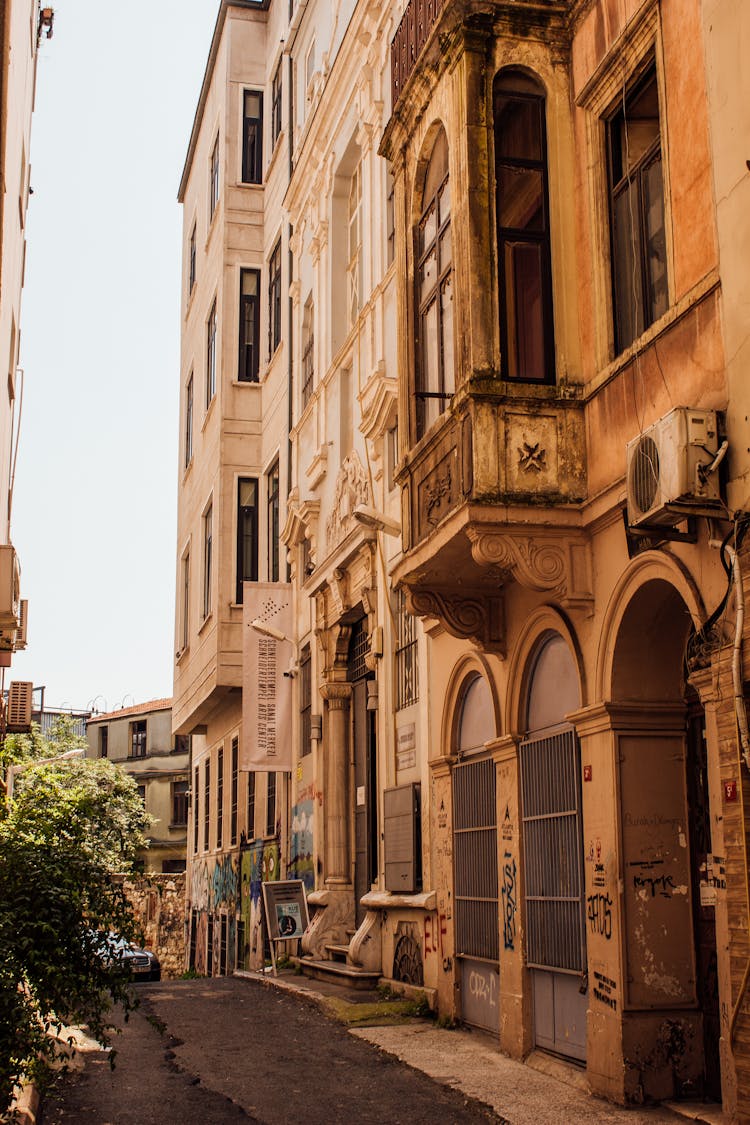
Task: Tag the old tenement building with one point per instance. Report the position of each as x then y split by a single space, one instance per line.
465 327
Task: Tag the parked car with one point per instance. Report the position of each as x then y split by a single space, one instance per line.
143 964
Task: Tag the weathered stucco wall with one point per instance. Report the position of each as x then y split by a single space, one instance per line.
159 904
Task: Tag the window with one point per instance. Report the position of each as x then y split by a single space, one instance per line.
523 229
142 793
638 240
435 378
191 261
185 633
390 219
179 802
249 352
276 106
247 533
251 805
274 299
407 668
220 797
391 458
206 802
308 352
271 805
354 269
196 784
103 742
234 791
305 700
189 421
272 492
138 739
213 187
207 559
181 744
252 138
211 355
310 64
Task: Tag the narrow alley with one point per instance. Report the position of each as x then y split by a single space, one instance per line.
225 1050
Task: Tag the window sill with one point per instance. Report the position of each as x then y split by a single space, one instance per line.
277 147
246 382
186 470
212 222
249 184
206 622
180 656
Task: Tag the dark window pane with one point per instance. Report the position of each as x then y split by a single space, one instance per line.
249 351
523 311
252 140
656 242
525 263
628 286
247 534
518 128
521 198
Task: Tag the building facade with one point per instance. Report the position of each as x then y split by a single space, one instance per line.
233 471
23 23
140 739
513 293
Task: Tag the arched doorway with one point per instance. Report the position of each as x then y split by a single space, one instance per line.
669 939
552 833
475 876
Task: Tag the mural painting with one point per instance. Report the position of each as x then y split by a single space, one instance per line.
259 863
302 863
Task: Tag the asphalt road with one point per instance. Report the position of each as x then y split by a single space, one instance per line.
227 1050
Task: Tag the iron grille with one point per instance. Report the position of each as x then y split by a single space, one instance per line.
406 656
475 860
359 646
551 794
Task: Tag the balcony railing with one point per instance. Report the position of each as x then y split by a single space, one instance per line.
417 23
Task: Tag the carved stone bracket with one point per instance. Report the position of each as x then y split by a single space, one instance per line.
475 616
559 564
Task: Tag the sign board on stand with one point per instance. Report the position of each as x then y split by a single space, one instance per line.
286 912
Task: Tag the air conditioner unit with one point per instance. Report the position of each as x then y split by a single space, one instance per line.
666 478
20 698
10 586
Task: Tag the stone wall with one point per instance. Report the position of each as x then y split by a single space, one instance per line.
159 904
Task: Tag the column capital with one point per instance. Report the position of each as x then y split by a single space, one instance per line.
336 694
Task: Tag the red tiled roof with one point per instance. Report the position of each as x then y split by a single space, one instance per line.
138 709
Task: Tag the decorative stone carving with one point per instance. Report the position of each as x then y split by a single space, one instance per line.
334 916
351 489
365 946
477 616
559 563
532 459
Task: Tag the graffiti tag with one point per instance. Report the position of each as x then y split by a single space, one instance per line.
599 914
509 901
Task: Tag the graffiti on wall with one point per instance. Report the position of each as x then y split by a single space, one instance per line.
214 883
509 901
259 863
301 863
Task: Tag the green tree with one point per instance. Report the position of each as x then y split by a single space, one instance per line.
70 827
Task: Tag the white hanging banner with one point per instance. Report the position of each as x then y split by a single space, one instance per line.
266 692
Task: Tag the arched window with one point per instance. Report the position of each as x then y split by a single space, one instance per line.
435 381
523 229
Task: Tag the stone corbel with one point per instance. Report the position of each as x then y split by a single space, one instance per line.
340 591
559 564
475 616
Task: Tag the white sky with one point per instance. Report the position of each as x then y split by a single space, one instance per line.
94 512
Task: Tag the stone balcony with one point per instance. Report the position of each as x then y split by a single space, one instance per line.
492 494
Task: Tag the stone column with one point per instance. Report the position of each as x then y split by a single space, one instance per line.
336 803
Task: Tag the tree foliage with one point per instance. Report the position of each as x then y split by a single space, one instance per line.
69 829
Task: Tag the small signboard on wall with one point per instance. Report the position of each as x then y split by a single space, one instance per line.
286 912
